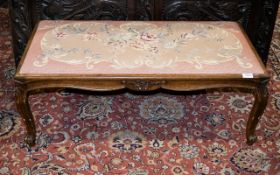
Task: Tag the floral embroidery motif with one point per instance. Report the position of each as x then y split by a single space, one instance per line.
127 141
162 110
91 43
95 108
251 160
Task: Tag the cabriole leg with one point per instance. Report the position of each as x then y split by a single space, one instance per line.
261 97
24 110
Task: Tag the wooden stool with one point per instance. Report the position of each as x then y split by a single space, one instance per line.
142 56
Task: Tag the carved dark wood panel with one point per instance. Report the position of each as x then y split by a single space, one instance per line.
144 10
82 9
264 27
214 10
2 2
257 16
21 26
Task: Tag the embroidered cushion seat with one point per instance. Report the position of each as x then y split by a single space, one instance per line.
125 48
142 56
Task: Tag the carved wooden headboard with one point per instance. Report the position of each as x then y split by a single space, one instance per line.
256 16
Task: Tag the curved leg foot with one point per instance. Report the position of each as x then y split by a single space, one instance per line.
30 139
251 139
261 96
25 112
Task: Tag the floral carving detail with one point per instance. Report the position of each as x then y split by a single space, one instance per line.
143 85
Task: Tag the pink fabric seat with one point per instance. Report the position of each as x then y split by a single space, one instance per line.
139 48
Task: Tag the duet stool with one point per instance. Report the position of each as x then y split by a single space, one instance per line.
141 56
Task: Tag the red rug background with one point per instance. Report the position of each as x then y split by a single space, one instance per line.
82 133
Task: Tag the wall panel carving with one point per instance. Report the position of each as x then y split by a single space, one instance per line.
214 10
81 9
144 10
21 26
264 27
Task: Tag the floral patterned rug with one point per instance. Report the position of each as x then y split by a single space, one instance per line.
135 134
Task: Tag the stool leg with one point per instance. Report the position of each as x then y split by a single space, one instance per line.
24 110
261 97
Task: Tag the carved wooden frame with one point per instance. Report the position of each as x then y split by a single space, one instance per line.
28 85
